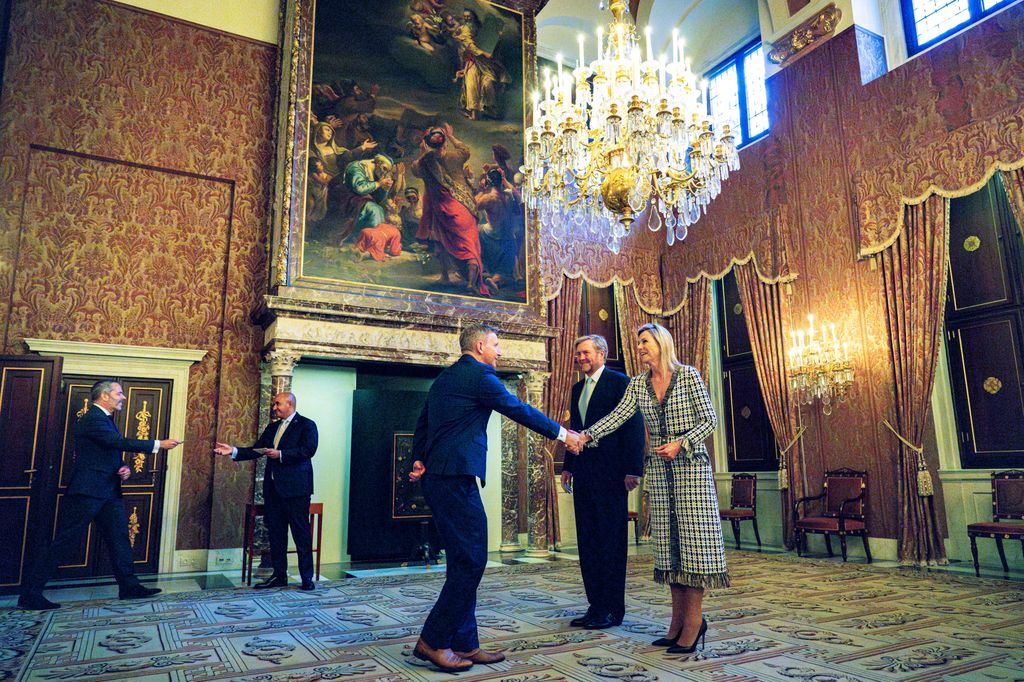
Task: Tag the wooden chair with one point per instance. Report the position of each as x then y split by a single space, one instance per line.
845 492
635 518
1007 503
742 506
316 524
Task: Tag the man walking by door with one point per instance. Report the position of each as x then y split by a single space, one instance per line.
450 446
94 494
289 443
600 481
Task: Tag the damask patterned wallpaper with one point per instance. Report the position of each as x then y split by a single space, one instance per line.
826 129
136 181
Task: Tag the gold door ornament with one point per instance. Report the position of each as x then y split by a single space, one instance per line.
603 314
142 433
992 385
972 243
133 525
143 416
85 408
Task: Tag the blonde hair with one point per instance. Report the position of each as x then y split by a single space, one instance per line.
669 361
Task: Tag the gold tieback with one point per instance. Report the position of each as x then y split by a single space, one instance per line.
925 484
783 470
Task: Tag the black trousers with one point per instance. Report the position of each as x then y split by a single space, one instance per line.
280 514
78 512
601 534
462 524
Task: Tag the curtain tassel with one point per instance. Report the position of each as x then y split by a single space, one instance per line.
925 484
783 469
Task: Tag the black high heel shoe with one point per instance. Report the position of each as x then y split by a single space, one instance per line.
668 641
679 649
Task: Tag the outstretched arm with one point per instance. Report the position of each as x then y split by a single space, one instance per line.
495 396
622 413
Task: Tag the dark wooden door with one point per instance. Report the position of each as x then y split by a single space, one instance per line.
985 328
145 416
988 389
383 422
29 386
749 436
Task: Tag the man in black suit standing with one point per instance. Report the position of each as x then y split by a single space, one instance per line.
600 482
94 494
450 446
288 442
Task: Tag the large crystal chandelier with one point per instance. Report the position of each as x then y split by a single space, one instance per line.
819 367
621 134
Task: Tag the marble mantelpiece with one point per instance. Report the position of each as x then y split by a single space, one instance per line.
324 326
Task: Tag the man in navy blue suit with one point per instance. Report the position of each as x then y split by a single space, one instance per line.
289 443
602 480
450 444
94 494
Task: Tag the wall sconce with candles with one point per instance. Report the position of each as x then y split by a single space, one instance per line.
819 366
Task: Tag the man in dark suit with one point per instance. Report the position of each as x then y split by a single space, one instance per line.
450 445
600 482
94 494
288 443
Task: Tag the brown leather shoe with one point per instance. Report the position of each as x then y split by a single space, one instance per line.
480 656
445 659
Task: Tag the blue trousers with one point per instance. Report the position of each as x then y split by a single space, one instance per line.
79 512
462 525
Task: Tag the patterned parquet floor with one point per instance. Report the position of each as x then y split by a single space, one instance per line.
784 619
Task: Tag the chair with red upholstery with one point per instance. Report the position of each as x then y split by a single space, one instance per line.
1007 503
845 493
742 506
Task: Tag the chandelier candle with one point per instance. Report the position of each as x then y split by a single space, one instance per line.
819 367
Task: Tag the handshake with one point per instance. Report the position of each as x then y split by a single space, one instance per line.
575 441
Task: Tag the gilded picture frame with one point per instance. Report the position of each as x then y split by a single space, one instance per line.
475 61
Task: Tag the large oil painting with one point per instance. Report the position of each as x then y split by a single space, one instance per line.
415 140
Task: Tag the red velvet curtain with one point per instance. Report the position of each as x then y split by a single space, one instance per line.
631 317
690 326
766 308
563 312
914 274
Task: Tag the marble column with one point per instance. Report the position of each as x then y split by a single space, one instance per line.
282 367
261 542
536 475
510 476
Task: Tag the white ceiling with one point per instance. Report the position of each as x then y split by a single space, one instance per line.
712 29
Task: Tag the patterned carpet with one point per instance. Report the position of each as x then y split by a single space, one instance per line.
786 619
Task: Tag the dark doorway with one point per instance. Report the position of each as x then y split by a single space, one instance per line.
381 527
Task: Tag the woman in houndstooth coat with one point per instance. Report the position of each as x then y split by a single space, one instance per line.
689 551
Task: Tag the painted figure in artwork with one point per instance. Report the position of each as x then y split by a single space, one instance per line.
483 77
370 183
501 203
316 190
334 156
448 208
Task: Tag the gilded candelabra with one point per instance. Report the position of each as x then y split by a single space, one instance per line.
819 367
